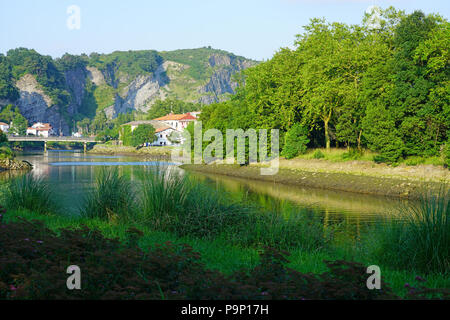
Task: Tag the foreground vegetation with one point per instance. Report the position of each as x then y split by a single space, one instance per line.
229 235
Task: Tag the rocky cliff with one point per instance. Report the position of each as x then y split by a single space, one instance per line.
122 82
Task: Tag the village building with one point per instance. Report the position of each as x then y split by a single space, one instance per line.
4 127
40 129
179 122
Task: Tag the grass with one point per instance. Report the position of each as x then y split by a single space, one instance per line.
420 242
112 198
31 193
342 155
173 202
228 233
337 154
219 254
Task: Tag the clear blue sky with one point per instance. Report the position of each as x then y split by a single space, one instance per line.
252 28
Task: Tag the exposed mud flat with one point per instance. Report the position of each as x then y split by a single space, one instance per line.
365 183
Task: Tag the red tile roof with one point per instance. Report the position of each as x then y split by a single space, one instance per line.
179 117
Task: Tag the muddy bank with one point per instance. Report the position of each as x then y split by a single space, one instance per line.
403 187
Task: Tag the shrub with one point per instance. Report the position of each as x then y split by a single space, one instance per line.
414 161
421 241
296 140
6 152
31 193
112 198
352 154
318 154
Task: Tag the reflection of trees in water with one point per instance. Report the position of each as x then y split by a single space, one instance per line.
11 174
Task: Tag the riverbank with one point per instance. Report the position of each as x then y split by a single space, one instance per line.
12 164
156 152
352 176
218 254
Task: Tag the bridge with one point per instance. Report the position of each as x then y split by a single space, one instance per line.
83 140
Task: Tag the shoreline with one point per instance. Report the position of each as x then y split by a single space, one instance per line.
397 187
357 176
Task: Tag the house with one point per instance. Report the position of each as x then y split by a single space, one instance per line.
40 129
4 127
179 122
162 131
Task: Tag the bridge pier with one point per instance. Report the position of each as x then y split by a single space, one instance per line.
45 146
84 147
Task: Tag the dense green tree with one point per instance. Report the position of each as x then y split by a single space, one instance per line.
163 107
142 134
296 141
19 124
7 114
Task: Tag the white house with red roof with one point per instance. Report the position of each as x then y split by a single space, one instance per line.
40 129
4 127
177 121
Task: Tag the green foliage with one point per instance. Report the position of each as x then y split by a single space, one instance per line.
112 198
7 114
131 63
296 140
126 136
196 59
3 137
385 89
31 193
30 270
421 242
163 107
6 152
446 153
47 74
142 134
7 89
318 154
19 124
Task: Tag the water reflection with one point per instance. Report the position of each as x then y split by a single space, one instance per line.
72 174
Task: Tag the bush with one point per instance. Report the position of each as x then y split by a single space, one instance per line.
112 198
33 263
318 154
352 154
296 140
414 161
446 154
6 152
31 193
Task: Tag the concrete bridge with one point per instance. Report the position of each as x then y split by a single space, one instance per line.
84 140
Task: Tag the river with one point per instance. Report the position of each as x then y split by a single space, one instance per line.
72 174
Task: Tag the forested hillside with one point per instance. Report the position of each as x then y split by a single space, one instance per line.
386 88
73 89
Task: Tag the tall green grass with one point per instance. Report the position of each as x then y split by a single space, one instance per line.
174 203
31 193
420 241
112 197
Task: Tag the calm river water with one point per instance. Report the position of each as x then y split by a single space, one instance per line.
72 175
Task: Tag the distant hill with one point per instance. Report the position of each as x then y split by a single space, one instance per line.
77 86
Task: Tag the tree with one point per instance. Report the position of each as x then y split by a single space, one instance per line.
19 124
7 114
142 134
296 140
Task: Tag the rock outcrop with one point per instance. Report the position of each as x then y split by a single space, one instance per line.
36 106
88 86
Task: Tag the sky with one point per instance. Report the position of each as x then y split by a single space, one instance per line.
255 29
